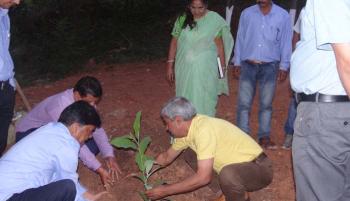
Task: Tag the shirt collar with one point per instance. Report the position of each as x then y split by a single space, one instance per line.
3 12
273 8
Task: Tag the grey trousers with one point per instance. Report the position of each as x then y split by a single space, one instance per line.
321 152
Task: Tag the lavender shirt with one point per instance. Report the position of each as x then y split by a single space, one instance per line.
265 38
49 110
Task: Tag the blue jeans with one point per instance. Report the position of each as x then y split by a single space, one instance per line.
264 76
292 113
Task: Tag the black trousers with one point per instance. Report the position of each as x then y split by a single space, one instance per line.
7 104
63 190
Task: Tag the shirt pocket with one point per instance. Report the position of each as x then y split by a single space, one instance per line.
273 34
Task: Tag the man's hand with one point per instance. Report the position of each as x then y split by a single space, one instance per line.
105 177
282 75
236 72
113 168
157 193
93 197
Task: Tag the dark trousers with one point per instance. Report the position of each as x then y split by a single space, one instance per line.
63 190
236 179
7 103
90 143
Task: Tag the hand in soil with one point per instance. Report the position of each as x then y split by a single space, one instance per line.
156 193
105 176
113 168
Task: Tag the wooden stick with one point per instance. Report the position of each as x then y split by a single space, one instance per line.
23 97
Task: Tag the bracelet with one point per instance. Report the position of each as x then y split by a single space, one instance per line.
170 61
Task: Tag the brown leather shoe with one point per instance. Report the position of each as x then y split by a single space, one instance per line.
266 143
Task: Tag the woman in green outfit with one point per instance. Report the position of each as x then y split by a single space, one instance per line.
199 37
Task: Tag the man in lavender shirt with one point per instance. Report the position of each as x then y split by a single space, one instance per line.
87 89
261 57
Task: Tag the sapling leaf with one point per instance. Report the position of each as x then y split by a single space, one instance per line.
144 144
148 166
141 178
124 142
132 137
145 157
139 158
137 124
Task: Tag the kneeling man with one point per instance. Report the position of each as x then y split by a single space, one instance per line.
239 161
44 168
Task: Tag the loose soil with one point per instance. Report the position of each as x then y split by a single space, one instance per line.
132 87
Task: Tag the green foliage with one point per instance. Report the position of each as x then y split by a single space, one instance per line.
135 142
53 38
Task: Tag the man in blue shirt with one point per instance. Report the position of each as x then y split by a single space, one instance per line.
320 75
261 56
7 81
44 168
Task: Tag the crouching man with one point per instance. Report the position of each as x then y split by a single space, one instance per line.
42 168
87 89
239 161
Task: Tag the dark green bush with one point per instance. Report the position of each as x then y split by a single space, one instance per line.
51 38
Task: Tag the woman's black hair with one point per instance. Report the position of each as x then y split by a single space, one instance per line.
189 20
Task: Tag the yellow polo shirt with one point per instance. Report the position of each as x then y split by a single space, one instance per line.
219 139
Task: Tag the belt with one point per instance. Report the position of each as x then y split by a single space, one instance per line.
322 98
255 62
3 84
259 158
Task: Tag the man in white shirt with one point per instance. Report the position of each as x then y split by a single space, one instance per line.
320 75
39 168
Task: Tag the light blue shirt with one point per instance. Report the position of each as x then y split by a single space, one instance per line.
313 64
6 64
38 160
266 38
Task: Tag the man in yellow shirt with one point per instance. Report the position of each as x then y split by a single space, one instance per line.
239 161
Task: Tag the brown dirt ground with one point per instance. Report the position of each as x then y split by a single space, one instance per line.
132 87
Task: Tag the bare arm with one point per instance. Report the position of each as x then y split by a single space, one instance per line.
342 56
199 179
171 60
295 39
167 157
93 197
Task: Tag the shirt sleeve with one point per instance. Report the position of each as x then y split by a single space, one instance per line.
239 40
205 143
88 158
179 144
102 141
331 19
286 43
178 26
219 33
